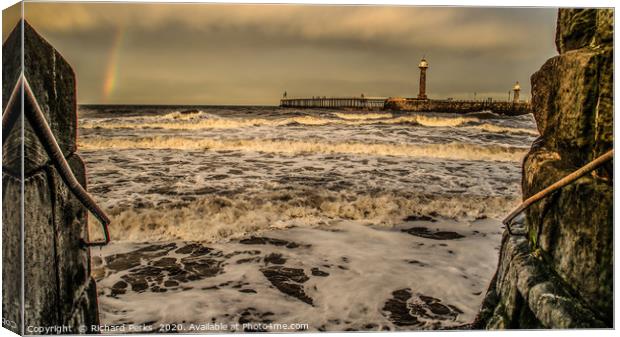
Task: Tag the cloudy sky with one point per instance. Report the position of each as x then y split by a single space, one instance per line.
249 54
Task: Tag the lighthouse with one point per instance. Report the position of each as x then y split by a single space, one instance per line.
423 66
516 89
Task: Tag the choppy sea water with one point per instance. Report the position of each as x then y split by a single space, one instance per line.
341 220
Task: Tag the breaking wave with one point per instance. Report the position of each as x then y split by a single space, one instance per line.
217 218
362 116
200 120
502 129
185 115
443 122
452 151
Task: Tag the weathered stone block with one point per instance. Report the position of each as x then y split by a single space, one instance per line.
567 103
85 310
575 28
528 296
565 267
56 268
573 229
41 299
11 253
53 83
604 113
12 261
543 96
584 27
572 104
12 145
71 216
604 27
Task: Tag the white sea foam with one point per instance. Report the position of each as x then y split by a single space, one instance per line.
343 184
452 151
502 129
442 121
365 266
215 218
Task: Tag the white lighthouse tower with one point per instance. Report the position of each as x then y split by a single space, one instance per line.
516 89
423 66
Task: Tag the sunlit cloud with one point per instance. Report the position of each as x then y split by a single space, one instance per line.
242 54
398 25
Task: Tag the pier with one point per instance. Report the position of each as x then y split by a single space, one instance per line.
510 107
368 103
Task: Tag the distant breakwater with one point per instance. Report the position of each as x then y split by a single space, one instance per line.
508 108
458 106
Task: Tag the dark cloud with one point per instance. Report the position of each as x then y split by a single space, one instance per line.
250 54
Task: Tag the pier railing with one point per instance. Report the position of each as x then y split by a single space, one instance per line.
334 102
503 107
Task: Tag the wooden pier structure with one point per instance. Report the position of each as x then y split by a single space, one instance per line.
369 103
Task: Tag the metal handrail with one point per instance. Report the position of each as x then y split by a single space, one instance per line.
8 118
556 186
41 128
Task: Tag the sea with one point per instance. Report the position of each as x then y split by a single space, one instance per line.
230 218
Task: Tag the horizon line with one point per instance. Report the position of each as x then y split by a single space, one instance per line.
170 104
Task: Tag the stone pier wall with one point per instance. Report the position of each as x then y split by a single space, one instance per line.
457 106
560 275
58 289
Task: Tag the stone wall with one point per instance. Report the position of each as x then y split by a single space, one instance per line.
58 289
560 275
12 261
457 106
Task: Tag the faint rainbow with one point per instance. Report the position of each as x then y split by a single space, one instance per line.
111 74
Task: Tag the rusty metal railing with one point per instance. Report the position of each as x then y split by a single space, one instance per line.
39 124
607 156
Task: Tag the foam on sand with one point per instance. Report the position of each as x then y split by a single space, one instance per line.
332 289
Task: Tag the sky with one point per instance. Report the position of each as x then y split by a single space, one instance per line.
139 53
